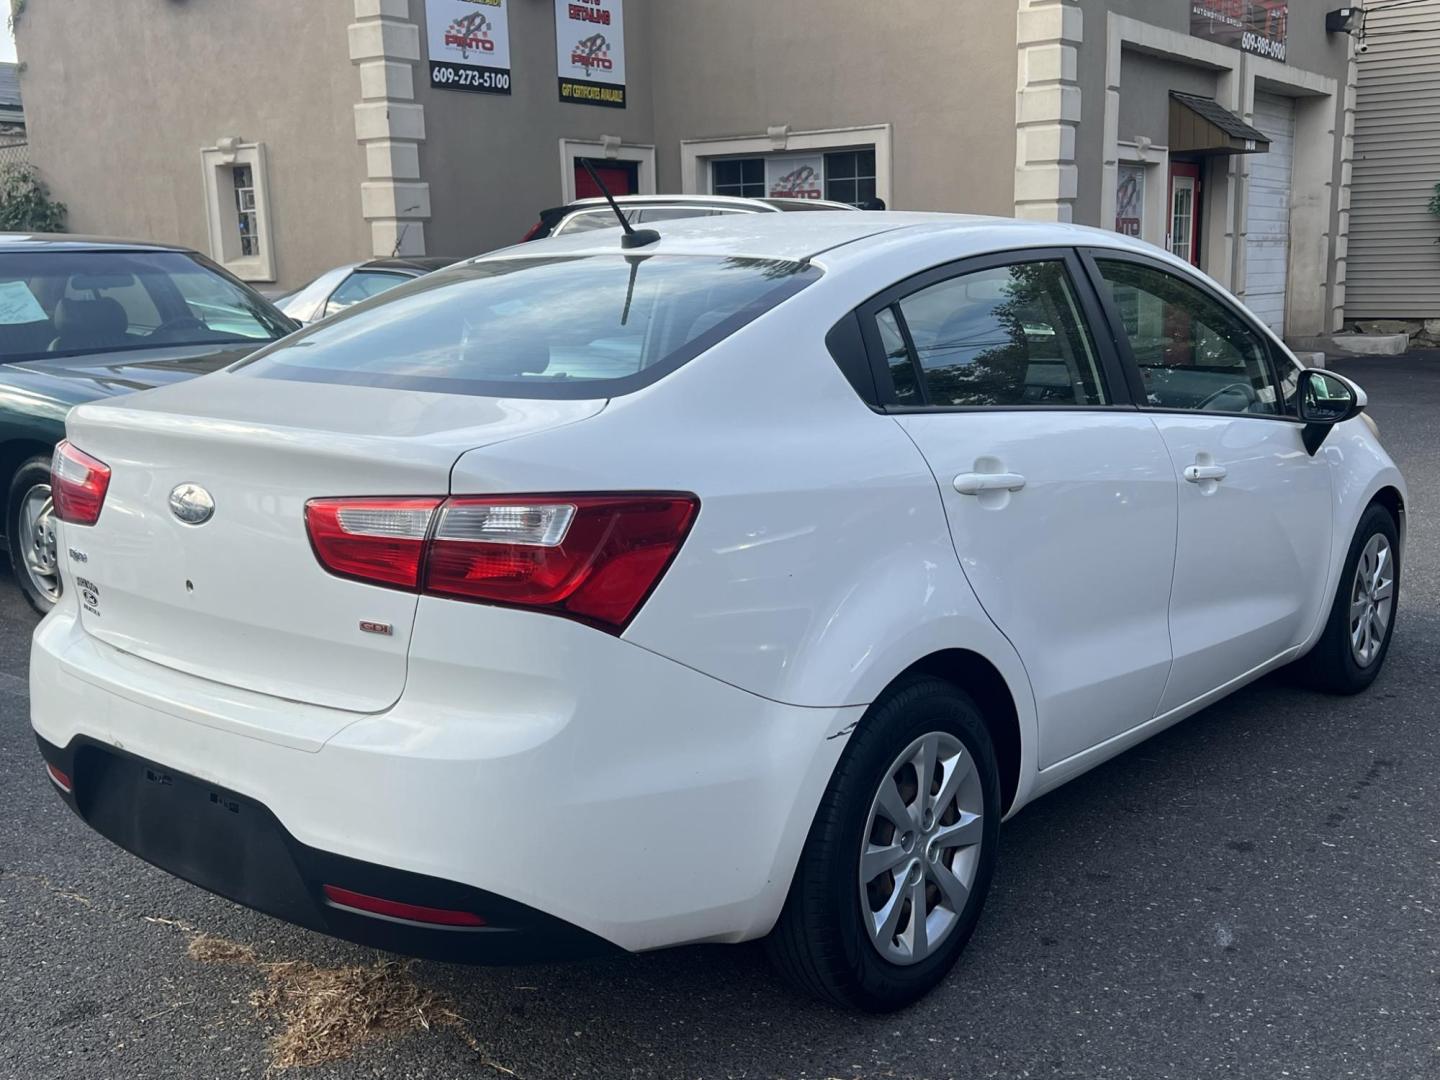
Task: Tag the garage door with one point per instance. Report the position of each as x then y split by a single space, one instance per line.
1267 241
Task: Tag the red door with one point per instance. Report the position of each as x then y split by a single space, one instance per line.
621 177
1182 232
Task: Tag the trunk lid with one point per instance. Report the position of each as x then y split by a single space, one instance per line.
241 599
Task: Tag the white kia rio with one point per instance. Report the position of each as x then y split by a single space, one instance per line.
730 582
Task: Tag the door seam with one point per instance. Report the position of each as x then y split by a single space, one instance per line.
960 564
1174 564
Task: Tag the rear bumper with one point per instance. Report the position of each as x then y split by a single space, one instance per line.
231 845
560 782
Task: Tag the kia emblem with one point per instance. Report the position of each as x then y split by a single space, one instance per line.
192 504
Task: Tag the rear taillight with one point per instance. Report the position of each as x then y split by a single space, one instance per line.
594 558
381 541
78 483
533 232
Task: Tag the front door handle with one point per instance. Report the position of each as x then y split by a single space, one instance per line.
1198 474
971 483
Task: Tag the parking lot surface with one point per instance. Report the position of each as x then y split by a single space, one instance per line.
1254 893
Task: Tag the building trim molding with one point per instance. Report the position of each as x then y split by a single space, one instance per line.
1342 197
1048 35
220 210
390 125
609 147
696 154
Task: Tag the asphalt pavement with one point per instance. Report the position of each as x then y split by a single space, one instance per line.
1254 893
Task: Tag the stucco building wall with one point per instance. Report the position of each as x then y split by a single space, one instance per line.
120 112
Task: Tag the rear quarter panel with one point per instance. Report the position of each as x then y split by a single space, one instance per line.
821 565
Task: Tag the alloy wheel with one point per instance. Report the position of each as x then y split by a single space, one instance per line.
37 542
921 848
1372 600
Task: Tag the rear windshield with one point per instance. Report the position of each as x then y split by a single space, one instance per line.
566 327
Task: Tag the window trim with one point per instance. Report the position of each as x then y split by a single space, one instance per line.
220 217
1117 386
696 154
608 146
1115 329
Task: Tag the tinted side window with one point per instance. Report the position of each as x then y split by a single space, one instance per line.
592 219
671 213
1011 335
897 358
361 285
1193 351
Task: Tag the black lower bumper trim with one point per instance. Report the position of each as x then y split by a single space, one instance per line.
231 845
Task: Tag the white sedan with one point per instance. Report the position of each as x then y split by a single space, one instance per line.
732 583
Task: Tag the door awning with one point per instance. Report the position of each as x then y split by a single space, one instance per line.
1201 125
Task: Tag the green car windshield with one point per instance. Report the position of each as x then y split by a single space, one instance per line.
70 303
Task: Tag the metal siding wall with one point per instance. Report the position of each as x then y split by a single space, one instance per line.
1267 219
1394 262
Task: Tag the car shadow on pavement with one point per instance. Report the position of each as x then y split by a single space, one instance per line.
1150 900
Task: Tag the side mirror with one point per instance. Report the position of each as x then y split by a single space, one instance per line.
1326 399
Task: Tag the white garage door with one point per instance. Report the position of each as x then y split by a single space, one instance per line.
1267 243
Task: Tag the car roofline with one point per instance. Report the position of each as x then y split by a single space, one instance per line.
671 200
69 242
677 237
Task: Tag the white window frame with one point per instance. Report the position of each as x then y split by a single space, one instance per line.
219 163
697 154
606 149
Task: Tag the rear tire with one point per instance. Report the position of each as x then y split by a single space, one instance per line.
832 940
1346 660
30 535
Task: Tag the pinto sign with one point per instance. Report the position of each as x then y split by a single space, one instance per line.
590 51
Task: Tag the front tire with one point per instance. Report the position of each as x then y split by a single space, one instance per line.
1352 649
911 818
30 533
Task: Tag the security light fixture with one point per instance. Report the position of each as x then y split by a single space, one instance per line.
1345 20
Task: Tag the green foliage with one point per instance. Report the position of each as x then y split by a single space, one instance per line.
25 204
17 8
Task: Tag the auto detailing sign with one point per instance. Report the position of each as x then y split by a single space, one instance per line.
794 177
1254 26
590 51
469 43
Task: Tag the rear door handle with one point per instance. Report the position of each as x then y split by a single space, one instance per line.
971 483
1198 474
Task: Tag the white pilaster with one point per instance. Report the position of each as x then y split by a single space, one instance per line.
1047 108
390 124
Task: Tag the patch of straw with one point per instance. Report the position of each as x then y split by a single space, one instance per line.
328 1013
209 949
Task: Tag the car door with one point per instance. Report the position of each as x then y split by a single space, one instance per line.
1059 493
1255 505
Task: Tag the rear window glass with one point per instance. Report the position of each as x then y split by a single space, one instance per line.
565 327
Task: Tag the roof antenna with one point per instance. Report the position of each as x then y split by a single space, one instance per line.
633 237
